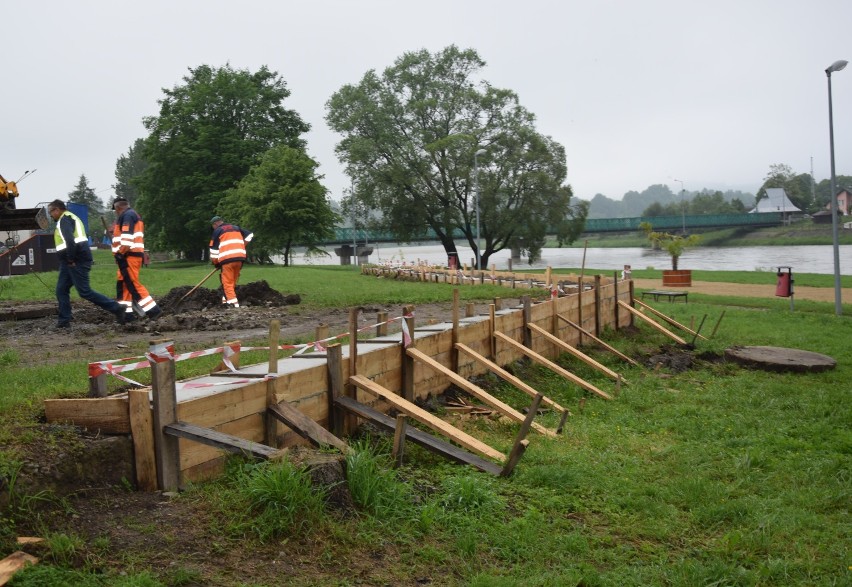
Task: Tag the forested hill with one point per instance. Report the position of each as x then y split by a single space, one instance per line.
635 203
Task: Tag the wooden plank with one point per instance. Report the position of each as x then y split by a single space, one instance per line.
419 437
305 427
611 349
399 440
552 366
477 391
633 311
142 431
109 414
671 321
220 440
424 417
577 353
165 412
506 376
14 563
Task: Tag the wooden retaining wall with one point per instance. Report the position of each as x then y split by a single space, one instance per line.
240 408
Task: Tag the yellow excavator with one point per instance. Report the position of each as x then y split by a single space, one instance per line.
14 218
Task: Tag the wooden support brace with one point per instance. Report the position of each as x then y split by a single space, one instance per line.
419 437
399 440
475 390
611 349
509 378
424 417
650 322
552 366
305 427
521 441
577 353
671 321
98 386
227 442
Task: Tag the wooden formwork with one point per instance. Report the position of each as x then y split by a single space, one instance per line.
238 407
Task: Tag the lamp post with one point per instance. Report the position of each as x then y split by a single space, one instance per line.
838 308
476 187
682 209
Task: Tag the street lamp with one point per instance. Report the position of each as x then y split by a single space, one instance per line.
476 187
838 308
682 209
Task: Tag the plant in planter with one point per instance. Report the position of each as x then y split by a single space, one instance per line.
674 245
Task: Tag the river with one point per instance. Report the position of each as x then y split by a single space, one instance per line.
803 259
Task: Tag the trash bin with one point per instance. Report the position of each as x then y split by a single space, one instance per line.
784 287
453 261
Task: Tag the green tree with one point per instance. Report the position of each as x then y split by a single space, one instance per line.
673 244
210 131
409 138
283 202
127 169
797 187
84 194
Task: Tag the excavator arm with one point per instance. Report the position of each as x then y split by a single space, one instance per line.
13 218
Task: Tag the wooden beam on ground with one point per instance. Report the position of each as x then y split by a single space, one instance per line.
476 391
419 437
577 353
305 427
521 442
611 349
552 366
671 321
424 417
221 440
14 563
650 322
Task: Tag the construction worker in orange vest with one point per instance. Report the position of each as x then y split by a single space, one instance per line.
228 253
128 248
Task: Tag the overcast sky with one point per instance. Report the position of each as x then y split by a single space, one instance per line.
639 92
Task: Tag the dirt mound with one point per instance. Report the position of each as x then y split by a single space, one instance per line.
256 293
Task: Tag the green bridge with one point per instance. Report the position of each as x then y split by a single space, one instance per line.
593 225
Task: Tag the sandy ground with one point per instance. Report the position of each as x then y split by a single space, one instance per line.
816 294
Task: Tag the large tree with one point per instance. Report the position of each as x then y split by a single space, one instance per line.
283 202
210 131
83 193
128 168
409 141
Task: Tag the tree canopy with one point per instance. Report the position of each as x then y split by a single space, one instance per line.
209 132
409 141
83 193
283 202
127 168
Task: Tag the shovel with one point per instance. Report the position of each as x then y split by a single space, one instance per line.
200 283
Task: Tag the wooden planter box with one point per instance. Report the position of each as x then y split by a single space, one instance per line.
679 278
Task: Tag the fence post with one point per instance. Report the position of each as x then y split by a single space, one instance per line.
161 356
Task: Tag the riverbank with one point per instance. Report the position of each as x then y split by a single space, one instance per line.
747 290
803 232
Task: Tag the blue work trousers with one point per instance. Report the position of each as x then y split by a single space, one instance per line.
78 276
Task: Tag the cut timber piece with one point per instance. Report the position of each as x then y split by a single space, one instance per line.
651 323
419 437
611 349
577 353
476 391
14 563
107 414
671 321
508 377
221 440
424 417
552 366
521 442
305 427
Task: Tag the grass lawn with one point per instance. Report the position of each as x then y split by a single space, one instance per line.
712 475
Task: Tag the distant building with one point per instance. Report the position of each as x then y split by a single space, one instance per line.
843 203
776 200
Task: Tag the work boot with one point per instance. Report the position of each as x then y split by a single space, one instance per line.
154 313
119 315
